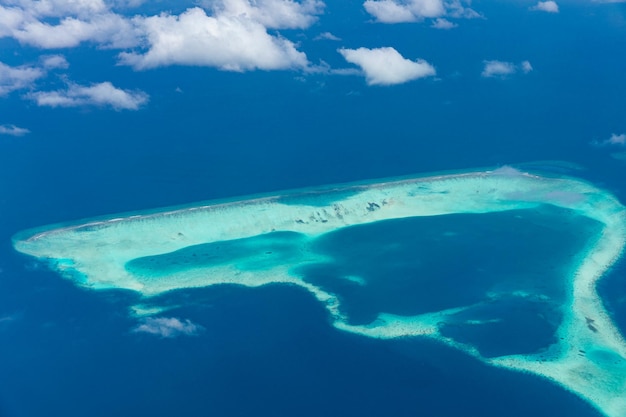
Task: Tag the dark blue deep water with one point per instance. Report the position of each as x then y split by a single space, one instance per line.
427 264
265 351
423 265
271 352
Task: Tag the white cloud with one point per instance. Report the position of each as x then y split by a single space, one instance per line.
613 140
274 14
234 37
228 43
457 10
398 11
108 29
102 95
526 67
502 69
388 11
54 62
10 18
327 36
441 23
385 66
63 23
344 71
125 4
57 8
617 139
497 69
546 6
13 130
17 78
66 24
168 327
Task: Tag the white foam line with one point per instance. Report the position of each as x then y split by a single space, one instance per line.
95 254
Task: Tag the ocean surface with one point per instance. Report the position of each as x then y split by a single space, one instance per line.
272 351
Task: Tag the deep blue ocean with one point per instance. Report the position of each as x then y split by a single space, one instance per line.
271 351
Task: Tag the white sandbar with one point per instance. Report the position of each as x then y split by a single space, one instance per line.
96 255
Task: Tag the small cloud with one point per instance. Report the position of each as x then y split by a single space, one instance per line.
497 69
103 28
17 78
385 66
441 23
168 327
327 36
399 11
57 8
102 94
49 62
388 11
613 140
526 67
546 6
124 4
273 14
502 69
346 71
457 10
9 318
617 139
13 130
